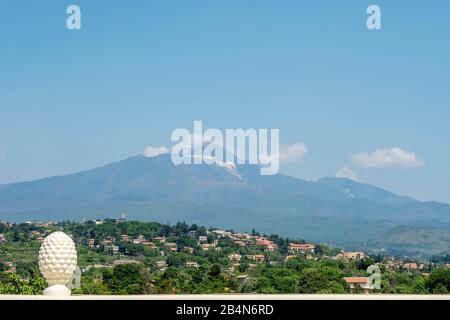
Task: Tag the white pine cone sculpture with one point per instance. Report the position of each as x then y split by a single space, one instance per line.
57 258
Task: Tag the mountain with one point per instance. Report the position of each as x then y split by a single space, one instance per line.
332 210
413 241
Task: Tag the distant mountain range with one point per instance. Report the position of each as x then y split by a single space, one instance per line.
333 210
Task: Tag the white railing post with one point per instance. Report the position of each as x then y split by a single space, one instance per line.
57 262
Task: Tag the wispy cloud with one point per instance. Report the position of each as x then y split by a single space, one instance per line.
347 173
385 158
293 153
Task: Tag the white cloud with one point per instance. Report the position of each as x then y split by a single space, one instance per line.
293 153
384 158
153 152
347 173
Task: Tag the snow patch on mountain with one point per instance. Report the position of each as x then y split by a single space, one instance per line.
230 167
349 193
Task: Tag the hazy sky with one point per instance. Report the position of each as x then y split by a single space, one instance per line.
374 104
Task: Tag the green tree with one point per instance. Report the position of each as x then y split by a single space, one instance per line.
321 280
16 285
214 271
123 279
364 263
439 281
288 284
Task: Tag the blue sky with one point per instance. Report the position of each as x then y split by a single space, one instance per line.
137 70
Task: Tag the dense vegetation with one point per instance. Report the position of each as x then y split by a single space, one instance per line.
145 269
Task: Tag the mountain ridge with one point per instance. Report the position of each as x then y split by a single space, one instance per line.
336 210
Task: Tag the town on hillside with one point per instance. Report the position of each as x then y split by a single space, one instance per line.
116 256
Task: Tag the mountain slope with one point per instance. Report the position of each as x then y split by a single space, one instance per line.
416 241
334 210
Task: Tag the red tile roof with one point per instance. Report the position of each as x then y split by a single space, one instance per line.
356 279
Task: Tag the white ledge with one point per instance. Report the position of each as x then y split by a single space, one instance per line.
234 297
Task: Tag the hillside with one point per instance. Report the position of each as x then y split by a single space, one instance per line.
133 257
415 241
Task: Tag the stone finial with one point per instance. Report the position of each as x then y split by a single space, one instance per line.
57 262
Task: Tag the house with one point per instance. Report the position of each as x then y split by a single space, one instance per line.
230 269
40 239
159 239
91 243
191 264
207 246
2 238
252 266
138 240
122 262
363 282
161 264
392 264
351 255
149 244
267 244
11 270
256 257
235 256
202 238
291 256
410 266
191 233
422 266
95 266
189 250
243 278
43 224
240 243
222 233
447 266
172 246
255 237
233 267
301 248
241 236
271 247
125 237
112 248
